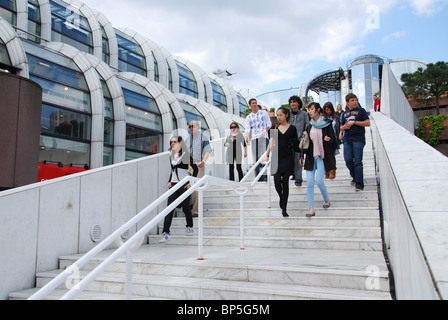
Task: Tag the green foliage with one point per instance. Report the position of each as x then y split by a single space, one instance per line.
427 84
436 125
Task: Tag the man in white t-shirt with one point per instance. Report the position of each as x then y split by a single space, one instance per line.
258 124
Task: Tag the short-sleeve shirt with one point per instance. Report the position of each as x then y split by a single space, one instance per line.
355 133
199 146
257 123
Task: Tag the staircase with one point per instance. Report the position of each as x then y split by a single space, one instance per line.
335 255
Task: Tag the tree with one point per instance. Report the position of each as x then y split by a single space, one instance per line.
307 101
427 84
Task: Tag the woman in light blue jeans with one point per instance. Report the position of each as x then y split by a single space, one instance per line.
319 156
310 175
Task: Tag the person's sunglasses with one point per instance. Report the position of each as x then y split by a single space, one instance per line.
234 127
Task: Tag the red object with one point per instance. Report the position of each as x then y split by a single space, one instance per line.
48 171
377 105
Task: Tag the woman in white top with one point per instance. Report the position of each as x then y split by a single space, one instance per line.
180 161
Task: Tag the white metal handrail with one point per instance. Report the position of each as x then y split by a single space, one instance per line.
241 188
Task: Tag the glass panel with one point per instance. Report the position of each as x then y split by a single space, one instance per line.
130 56
65 151
34 28
106 48
128 44
142 140
140 101
4 56
39 52
108 156
64 96
219 99
108 109
108 132
187 82
192 114
68 24
9 4
188 92
143 119
243 105
57 73
33 12
8 15
170 79
66 123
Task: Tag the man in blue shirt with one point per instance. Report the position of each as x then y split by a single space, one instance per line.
353 134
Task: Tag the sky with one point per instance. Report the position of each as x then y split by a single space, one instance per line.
280 44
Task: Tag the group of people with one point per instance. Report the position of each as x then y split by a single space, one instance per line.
325 127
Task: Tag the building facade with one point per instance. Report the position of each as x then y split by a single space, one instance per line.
109 94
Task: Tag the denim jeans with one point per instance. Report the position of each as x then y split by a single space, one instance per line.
353 155
310 176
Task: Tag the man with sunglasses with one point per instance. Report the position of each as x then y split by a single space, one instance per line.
200 150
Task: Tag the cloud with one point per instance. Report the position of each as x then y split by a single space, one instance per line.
400 34
263 41
427 7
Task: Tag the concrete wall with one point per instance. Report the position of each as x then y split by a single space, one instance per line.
20 109
394 103
413 178
40 222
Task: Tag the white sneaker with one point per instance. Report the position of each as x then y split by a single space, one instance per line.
165 238
190 231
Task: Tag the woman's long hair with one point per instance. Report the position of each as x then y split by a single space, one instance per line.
183 148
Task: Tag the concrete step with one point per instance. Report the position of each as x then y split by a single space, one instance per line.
288 231
168 272
188 288
278 221
293 211
297 193
87 295
292 203
328 243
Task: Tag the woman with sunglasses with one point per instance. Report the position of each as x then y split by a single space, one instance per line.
180 162
235 143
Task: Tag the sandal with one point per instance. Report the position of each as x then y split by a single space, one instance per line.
309 215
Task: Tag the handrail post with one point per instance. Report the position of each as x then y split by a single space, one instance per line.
242 246
269 185
201 224
128 287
